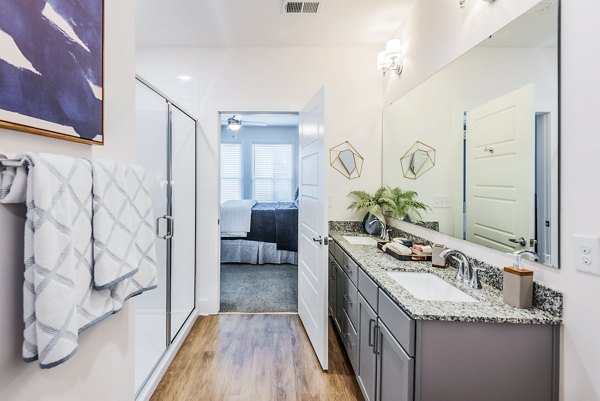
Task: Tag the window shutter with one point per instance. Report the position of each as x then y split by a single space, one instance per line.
231 172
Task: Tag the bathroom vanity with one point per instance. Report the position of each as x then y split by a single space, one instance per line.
405 348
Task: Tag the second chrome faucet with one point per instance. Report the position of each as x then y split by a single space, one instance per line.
467 273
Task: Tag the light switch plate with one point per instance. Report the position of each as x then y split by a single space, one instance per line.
442 201
587 253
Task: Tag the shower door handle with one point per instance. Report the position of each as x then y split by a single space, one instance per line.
170 227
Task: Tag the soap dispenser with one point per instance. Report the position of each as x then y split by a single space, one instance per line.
518 285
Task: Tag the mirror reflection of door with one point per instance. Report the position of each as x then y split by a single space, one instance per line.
500 184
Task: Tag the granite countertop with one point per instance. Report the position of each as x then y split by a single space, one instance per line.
490 308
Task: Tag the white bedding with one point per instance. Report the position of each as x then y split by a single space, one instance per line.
236 217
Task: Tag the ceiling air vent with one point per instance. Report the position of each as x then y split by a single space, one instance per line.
298 7
310 7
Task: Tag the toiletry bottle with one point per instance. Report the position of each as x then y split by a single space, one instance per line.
518 285
436 259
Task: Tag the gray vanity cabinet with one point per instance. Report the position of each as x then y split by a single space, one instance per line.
367 367
397 358
395 369
332 284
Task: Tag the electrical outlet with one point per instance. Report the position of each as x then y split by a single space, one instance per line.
587 253
442 201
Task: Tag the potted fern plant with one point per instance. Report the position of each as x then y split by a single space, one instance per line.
403 203
393 202
376 205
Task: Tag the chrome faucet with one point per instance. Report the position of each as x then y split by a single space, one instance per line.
467 273
525 252
384 232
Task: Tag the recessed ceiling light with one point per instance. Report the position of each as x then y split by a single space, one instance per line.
184 77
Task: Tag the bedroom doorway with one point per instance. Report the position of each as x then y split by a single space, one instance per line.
258 212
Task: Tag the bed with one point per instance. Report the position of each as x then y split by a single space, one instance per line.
259 233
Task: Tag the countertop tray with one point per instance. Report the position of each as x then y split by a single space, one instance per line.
413 257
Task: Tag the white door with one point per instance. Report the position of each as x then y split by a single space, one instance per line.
500 169
313 226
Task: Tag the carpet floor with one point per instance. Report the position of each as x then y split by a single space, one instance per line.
259 288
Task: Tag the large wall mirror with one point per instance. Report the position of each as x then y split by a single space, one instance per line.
492 118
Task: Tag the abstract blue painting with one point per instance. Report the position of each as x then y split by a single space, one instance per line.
51 76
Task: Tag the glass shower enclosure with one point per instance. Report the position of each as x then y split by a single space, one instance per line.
166 148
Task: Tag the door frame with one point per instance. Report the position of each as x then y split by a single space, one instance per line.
216 302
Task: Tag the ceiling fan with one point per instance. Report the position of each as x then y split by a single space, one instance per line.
234 123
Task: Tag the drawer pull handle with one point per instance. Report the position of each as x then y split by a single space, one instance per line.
376 341
371 327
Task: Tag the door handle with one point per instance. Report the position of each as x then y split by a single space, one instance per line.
158 219
376 340
521 241
371 327
322 240
170 227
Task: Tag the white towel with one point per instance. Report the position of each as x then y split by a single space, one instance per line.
236 218
141 273
59 298
115 254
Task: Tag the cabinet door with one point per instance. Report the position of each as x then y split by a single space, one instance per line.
395 368
339 296
332 286
367 359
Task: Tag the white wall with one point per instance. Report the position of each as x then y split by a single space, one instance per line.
102 368
445 36
269 79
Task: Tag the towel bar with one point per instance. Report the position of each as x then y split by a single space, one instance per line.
6 162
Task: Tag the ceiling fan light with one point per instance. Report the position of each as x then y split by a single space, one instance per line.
234 125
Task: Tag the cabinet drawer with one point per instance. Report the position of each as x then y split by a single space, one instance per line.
351 268
338 254
367 288
350 340
398 322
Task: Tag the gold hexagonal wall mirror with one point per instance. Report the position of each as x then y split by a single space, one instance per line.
419 159
346 159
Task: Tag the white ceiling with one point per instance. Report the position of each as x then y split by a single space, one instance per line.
247 23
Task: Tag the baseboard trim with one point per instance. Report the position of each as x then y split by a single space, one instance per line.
161 368
258 313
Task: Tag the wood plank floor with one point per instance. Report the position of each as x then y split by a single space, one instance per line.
255 358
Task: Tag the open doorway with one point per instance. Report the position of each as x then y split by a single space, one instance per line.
259 212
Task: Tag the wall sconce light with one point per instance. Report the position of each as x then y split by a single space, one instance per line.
461 3
390 59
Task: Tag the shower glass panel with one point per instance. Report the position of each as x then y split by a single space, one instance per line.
151 306
183 148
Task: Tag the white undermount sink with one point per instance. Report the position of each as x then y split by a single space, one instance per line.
429 287
356 240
